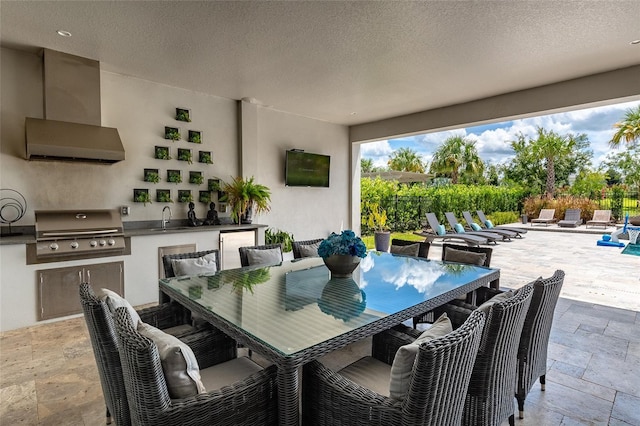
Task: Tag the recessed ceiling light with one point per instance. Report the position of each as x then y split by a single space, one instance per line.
64 33
635 42
353 113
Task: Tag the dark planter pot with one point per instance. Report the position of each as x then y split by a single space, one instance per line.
341 265
382 240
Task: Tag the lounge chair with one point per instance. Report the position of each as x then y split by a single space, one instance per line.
545 217
438 232
458 228
571 219
475 227
600 218
486 223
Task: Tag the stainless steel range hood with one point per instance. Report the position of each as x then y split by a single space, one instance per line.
71 130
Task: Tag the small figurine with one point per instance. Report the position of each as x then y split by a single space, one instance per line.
191 216
212 216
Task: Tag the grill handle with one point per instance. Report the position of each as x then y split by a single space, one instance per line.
73 233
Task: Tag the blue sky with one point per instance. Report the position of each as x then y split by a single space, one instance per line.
492 140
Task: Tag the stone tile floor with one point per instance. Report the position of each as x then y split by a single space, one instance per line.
48 374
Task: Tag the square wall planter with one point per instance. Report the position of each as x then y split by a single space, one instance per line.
162 153
205 197
174 176
195 136
184 196
196 178
213 184
185 155
205 157
183 114
141 196
151 175
163 196
172 133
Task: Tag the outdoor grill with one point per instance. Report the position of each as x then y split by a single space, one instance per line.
78 234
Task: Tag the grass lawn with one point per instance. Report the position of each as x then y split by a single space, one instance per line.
410 236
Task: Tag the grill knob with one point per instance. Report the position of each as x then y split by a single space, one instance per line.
74 245
93 243
103 243
54 246
111 242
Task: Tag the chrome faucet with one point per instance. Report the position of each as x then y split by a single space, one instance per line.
165 221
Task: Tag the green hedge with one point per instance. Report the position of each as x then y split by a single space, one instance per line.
406 206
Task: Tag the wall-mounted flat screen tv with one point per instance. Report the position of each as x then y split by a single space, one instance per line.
306 169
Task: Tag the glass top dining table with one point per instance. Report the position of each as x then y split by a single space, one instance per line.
294 312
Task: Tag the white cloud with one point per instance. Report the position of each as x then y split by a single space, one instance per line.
494 144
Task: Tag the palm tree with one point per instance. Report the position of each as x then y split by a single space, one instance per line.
628 129
455 154
548 147
406 160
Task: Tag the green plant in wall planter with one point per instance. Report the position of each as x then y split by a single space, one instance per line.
276 236
172 133
174 176
213 185
205 157
195 136
151 175
162 153
183 114
184 196
205 197
163 196
196 178
185 155
141 196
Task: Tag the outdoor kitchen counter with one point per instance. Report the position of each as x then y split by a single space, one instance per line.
136 230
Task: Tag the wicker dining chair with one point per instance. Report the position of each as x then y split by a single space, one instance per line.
168 265
429 317
438 384
532 352
244 252
423 250
102 334
250 401
489 399
296 246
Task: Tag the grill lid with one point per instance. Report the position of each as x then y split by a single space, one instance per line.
57 224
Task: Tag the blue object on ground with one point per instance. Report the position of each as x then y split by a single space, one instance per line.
609 244
606 237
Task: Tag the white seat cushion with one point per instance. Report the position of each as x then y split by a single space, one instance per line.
402 367
115 301
369 373
195 266
264 257
227 373
179 364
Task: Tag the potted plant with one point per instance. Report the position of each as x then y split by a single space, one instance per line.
246 198
141 196
205 157
151 175
163 196
342 252
162 153
184 155
184 196
174 176
196 178
377 221
276 236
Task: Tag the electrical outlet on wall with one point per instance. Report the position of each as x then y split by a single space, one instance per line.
124 210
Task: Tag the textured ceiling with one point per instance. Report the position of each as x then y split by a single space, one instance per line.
327 60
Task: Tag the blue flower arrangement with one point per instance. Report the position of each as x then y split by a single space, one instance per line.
347 242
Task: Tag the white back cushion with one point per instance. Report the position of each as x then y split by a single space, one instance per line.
195 266
115 301
264 257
